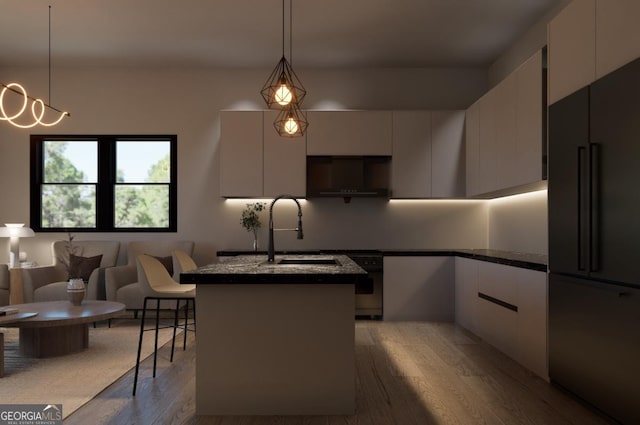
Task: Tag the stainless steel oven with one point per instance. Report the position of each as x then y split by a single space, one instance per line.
369 296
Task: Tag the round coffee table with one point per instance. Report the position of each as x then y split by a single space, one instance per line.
60 327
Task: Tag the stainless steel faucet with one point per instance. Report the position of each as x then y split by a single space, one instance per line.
271 252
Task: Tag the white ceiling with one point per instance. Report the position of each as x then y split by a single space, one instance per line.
248 33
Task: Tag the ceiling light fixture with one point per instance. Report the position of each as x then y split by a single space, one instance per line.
38 107
284 90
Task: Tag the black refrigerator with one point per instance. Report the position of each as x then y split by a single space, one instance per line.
594 243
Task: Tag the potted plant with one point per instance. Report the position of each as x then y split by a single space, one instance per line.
75 286
251 220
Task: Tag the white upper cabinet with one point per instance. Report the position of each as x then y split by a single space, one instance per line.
241 150
285 161
447 154
255 161
428 154
503 172
504 133
571 49
529 122
589 39
472 151
488 153
427 149
617 34
411 162
349 133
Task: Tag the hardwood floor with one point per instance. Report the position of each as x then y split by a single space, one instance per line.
407 373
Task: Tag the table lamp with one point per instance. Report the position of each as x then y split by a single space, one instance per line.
15 231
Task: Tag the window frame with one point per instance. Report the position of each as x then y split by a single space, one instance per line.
106 184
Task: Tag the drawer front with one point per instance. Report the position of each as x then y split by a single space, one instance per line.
498 281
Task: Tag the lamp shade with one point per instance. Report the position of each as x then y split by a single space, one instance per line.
16 230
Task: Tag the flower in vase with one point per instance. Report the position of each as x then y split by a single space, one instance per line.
251 219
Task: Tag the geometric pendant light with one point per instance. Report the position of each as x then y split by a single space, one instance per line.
291 121
283 86
283 90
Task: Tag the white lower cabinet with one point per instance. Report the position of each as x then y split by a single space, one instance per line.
418 288
507 307
496 306
498 326
532 321
466 293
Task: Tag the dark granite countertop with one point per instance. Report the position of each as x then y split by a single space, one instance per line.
536 262
516 259
254 268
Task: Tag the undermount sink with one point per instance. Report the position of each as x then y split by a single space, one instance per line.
309 261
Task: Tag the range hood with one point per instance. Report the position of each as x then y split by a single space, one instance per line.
348 176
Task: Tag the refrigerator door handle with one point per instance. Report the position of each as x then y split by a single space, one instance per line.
583 230
594 207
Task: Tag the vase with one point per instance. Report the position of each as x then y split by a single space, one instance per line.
255 242
76 291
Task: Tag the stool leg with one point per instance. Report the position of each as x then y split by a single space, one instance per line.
175 326
135 377
186 324
155 346
194 314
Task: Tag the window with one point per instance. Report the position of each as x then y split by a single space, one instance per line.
103 183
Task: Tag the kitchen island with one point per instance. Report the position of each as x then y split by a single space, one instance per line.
276 338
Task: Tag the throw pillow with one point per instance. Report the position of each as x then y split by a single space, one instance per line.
81 267
167 262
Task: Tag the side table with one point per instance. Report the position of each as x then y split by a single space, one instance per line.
16 294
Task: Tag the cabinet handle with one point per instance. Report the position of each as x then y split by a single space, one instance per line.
582 209
499 302
594 207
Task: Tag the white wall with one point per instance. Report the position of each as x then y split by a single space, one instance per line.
519 223
186 102
532 40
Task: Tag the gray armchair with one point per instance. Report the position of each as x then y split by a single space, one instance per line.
49 283
122 281
4 284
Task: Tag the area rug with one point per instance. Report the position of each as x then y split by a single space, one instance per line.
74 379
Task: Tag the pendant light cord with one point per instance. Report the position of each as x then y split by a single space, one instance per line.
49 100
290 30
